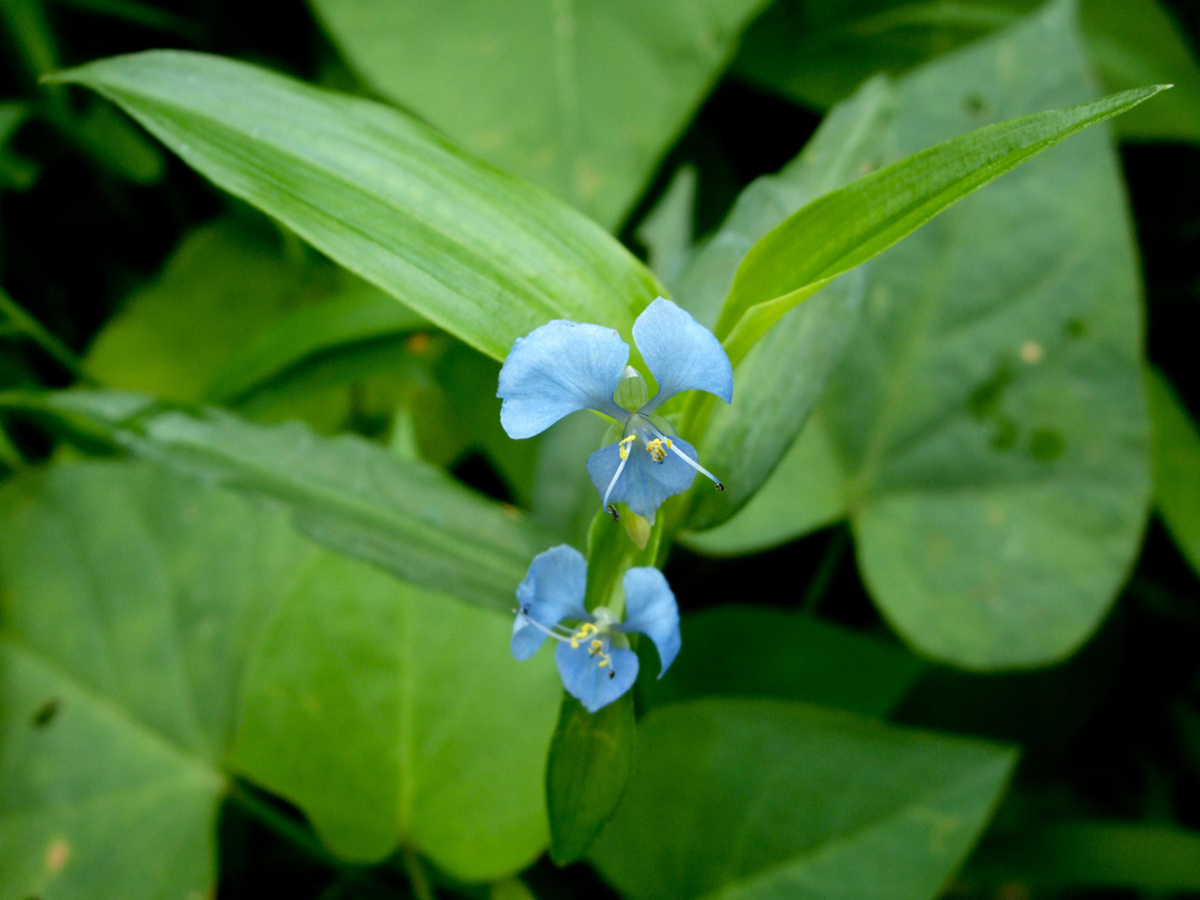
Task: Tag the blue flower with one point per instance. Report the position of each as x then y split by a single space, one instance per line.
563 366
593 654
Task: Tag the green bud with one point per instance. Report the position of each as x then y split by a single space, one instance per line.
632 393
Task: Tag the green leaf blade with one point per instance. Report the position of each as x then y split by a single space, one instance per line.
840 230
479 253
1176 466
868 798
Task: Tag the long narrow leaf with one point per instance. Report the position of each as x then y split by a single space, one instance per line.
842 229
344 492
482 254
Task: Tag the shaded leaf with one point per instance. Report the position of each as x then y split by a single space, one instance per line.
753 823
583 99
819 53
1176 466
591 756
989 425
755 651
479 253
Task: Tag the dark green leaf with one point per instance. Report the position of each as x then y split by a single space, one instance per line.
762 799
591 756
753 651
1176 466
481 254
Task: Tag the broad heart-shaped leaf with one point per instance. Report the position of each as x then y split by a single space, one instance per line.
987 430
818 53
582 98
781 378
753 799
394 716
742 650
479 253
1176 466
344 492
130 599
848 226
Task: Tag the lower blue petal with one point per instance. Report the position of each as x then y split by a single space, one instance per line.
650 609
552 591
592 685
644 484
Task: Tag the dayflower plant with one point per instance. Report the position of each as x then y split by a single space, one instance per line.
565 366
593 655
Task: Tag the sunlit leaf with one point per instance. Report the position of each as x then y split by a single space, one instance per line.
581 98
1176 466
479 253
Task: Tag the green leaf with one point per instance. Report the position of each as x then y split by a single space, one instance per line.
755 651
988 425
1086 854
591 756
226 282
345 492
781 378
1176 466
788 800
581 99
479 253
848 226
393 716
820 54
131 599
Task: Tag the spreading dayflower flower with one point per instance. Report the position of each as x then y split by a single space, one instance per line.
564 366
593 655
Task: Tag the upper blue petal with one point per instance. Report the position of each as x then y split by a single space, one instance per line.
682 354
644 484
650 609
557 369
552 591
593 686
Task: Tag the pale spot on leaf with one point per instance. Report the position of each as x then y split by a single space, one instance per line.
1032 352
57 855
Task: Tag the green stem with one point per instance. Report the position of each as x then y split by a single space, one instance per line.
826 569
33 329
417 875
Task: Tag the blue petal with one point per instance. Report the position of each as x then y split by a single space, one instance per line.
557 369
651 610
682 354
644 484
591 685
552 591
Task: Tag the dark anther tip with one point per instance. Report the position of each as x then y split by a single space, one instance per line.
612 674
720 487
612 508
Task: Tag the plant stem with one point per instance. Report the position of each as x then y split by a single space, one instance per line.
36 332
826 569
417 875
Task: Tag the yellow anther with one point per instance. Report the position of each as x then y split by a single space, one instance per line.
623 446
584 630
597 646
603 660
657 449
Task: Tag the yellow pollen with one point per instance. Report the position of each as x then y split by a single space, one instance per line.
623 446
658 448
584 630
596 646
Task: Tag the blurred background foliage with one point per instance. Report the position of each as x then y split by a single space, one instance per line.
1012 422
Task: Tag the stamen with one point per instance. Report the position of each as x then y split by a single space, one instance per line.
657 449
623 446
617 475
550 633
687 459
584 630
